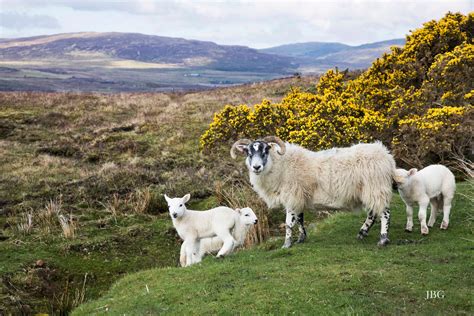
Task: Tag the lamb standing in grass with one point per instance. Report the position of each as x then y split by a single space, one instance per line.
195 225
434 185
246 219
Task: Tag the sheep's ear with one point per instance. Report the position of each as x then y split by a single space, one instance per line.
412 171
186 198
166 198
238 210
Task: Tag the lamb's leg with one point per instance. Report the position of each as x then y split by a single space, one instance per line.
422 216
434 211
182 255
301 228
369 222
385 225
228 245
289 223
409 226
446 211
196 252
189 246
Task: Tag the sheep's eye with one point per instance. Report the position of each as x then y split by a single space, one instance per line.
247 214
180 205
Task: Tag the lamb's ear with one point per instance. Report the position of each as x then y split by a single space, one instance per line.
412 171
186 198
238 210
166 198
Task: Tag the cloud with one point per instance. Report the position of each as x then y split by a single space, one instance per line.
19 21
255 23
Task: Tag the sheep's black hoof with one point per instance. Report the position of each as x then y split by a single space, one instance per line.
362 234
407 230
287 244
383 240
301 239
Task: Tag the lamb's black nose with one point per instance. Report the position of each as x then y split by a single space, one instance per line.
256 221
175 215
257 168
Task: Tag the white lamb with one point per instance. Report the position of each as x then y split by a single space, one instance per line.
297 178
434 185
195 225
246 219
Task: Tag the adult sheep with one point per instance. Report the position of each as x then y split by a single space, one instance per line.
291 176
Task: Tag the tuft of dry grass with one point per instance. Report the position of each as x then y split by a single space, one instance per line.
136 202
47 217
68 225
26 225
141 200
70 298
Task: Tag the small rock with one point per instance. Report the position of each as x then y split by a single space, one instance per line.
39 263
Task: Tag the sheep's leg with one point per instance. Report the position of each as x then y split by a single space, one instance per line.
301 228
385 224
446 211
182 255
228 245
422 216
289 223
409 226
369 222
434 211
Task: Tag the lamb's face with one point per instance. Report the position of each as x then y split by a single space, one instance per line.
177 206
402 176
258 157
247 216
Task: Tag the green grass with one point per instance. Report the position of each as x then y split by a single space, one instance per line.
333 273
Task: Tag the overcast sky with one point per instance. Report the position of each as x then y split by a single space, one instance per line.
256 23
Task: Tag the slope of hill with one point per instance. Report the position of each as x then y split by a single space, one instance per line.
104 160
332 273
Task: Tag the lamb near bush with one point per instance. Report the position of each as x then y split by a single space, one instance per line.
245 220
195 225
434 185
296 178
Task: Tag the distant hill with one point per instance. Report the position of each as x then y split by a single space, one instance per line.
328 55
310 49
144 48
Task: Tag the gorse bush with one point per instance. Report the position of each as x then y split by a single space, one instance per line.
417 100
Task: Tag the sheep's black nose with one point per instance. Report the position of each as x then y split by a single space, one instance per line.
175 215
256 221
257 168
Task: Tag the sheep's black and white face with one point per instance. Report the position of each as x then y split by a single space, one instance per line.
258 157
247 216
177 206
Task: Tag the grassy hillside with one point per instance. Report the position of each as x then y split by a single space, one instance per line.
333 273
102 162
